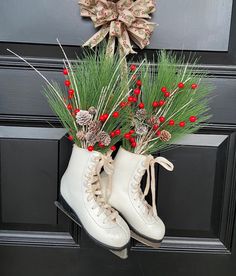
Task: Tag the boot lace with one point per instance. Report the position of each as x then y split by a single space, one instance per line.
93 187
148 166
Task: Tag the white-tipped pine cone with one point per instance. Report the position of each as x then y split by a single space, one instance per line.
80 135
94 126
153 120
91 138
92 110
141 114
141 129
165 136
104 138
83 118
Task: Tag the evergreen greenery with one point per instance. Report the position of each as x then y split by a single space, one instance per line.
179 106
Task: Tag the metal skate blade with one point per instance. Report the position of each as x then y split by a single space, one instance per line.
123 254
144 241
70 215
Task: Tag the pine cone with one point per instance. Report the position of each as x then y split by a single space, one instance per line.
94 126
141 129
104 138
80 135
91 138
141 114
92 110
165 136
153 120
83 117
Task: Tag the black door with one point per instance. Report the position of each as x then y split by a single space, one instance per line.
197 201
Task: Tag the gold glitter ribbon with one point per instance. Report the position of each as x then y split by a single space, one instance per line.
125 20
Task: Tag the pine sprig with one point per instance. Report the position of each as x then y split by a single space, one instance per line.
93 81
180 92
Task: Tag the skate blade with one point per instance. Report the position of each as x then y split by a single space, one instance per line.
123 254
70 215
145 241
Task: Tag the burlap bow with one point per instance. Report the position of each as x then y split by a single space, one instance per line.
123 19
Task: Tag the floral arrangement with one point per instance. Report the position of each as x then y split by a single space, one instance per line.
165 105
90 106
100 104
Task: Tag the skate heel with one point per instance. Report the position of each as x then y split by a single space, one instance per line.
67 210
152 243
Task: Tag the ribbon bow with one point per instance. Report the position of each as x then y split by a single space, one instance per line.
123 19
152 181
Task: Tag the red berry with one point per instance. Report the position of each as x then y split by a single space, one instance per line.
162 119
90 148
77 110
192 119
134 145
158 133
141 105
132 67
67 83
117 132
127 135
194 86
130 99
167 94
155 104
131 131
113 148
71 92
71 96
161 102
163 89
105 116
101 118
132 140
138 82
122 104
101 145
70 137
112 134
155 127
69 106
134 77
182 124
137 91
171 122
65 71
115 114
135 99
181 85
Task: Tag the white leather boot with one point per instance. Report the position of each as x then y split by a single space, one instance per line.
127 197
81 199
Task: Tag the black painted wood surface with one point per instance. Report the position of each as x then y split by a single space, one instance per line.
196 201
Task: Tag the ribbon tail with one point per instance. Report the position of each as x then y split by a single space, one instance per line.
97 37
111 46
125 43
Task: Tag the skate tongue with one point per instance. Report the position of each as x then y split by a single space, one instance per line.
151 179
107 163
